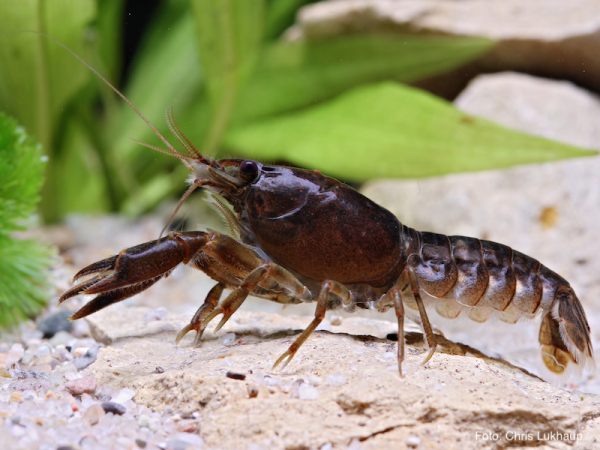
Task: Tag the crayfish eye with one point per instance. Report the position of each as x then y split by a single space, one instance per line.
249 169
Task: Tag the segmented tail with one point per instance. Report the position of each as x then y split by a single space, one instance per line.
565 335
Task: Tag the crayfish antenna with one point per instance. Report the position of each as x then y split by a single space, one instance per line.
172 151
191 189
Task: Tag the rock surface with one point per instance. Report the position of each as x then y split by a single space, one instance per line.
548 211
553 38
449 403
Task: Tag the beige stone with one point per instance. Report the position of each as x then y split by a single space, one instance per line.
551 37
459 393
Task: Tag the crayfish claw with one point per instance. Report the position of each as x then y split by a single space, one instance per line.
97 267
76 290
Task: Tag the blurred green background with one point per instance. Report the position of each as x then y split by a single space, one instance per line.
237 89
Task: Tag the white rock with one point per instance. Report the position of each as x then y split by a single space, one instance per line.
123 396
307 392
14 355
336 379
413 441
227 339
314 380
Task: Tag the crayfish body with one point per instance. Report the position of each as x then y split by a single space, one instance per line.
299 236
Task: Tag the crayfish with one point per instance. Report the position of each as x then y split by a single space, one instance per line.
300 236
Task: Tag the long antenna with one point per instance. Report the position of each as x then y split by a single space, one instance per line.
162 138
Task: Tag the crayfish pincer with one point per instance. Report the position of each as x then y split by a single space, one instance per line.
299 236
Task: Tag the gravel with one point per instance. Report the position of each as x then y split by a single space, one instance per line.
54 323
49 400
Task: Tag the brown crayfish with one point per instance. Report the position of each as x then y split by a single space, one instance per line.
300 236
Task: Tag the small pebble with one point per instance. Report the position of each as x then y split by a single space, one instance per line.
85 385
314 380
413 441
124 395
576 396
14 355
227 339
80 351
235 375
335 320
252 390
93 414
31 334
62 353
176 444
14 397
307 392
43 350
145 422
81 329
187 427
21 374
336 379
88 358
35 384
192 439
156 314
159 369
56 322
61 338
69 367
140 443
269 381
327 446
42 368
115 408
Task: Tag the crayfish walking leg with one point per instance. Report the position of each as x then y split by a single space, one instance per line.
327 287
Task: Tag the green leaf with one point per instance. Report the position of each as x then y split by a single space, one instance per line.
391 130
280 15
291 75
83 189
229 33
38 76
110 37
